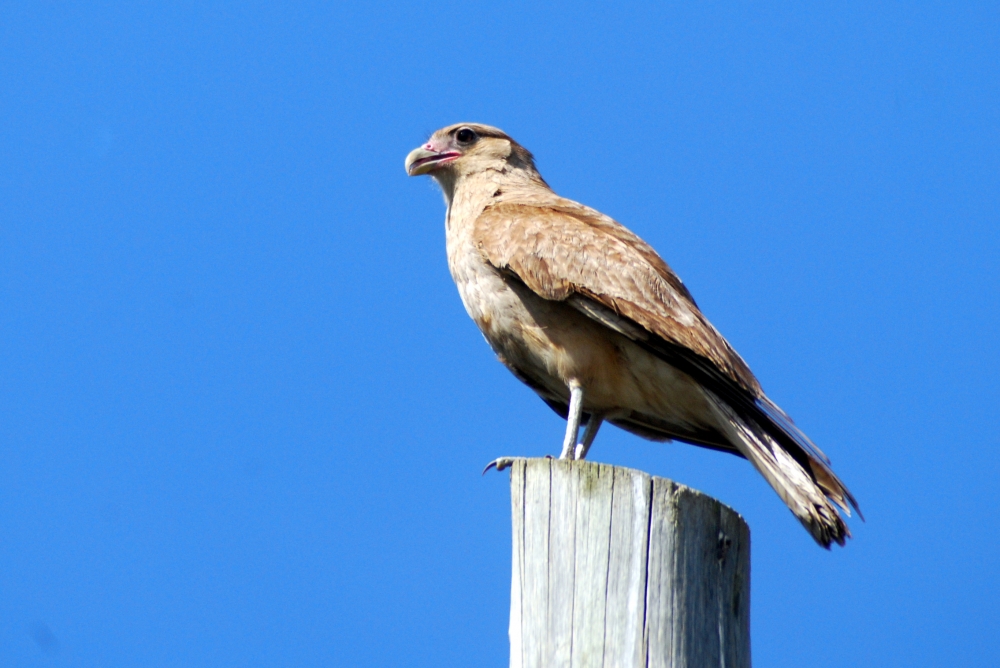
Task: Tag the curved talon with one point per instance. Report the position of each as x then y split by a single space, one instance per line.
500 463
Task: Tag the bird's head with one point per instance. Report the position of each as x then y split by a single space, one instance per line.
465 149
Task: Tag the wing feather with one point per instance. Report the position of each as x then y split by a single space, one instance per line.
563 248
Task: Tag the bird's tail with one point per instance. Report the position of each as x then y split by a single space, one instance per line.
808 494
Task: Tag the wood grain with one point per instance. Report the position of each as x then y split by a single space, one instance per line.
615 568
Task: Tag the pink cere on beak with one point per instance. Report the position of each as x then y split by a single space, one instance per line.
436 153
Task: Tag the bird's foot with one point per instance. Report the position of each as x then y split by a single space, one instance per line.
500 463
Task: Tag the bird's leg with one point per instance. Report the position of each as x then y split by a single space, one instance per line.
572 421
573 417
593 424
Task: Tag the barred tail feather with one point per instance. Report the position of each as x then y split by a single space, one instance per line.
804 492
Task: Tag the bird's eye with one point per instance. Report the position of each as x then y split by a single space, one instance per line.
465 136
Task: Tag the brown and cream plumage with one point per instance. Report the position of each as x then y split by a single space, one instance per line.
589 316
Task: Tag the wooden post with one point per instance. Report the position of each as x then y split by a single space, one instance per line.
615 568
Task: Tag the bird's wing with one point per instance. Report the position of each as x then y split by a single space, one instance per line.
561 249
564 251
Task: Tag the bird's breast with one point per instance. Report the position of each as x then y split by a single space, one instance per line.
522 328
549 344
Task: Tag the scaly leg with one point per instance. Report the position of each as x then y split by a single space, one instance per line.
593 424
572 421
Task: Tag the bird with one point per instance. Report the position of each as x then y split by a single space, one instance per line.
590 317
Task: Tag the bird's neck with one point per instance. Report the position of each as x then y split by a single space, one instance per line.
466 195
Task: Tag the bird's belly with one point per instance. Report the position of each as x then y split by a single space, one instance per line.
549 345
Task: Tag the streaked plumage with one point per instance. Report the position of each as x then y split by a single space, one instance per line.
589 316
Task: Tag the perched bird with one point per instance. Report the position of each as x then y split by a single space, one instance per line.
586 313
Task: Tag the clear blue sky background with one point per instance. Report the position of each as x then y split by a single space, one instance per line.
243 412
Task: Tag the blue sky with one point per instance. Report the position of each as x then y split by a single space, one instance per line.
243 412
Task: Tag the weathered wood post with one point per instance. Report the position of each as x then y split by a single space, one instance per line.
615 568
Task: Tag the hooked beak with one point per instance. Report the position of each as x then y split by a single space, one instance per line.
422 160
